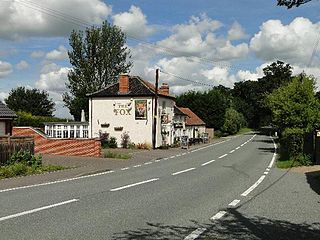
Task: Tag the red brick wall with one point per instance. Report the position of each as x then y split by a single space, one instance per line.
69 147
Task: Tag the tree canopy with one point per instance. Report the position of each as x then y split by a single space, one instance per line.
32 101
295 105
292 3
98 56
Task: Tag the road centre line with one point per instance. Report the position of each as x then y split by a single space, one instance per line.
126 168
266 173
158 160
133 184
147 163
237 148
234 202
137 166
37 210
218 215
195 234
172 157
206 163
183 171
223 155
256 184
55 182
183 154
232 151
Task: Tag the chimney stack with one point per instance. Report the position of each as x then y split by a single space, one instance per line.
164 89
123 83
83 117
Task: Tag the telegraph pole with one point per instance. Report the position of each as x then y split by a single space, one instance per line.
155 115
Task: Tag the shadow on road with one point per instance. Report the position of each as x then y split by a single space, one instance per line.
313 178
234 226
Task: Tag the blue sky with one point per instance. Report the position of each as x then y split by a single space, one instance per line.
213 42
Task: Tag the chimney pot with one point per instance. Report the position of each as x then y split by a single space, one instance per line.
123 83
164 89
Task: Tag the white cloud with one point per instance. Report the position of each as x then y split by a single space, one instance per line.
3 95
5 69
236 32
293 42
197 38
37 54
20 19
22 65
58 54
50 67
133 22
53 81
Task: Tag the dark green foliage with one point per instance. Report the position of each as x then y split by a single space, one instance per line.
107 142
32 101
292 3
210 106
25 157
98 56
113 143
291 143
27 119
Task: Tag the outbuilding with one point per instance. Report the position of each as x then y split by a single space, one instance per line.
6 118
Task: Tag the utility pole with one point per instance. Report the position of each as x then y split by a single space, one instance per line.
155 115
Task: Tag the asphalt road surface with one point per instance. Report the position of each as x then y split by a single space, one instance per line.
186 196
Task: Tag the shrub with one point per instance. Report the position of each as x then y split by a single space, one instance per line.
144 146
25 156
104 138
13 170
113 143
131 145
291 143
233 121
125 139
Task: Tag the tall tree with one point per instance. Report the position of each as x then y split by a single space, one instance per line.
32 101
295 105
98 56
292 3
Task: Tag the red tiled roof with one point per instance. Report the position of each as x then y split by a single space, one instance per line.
192 118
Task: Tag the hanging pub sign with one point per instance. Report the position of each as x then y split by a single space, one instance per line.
140 109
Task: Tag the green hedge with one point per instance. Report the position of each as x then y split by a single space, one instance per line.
291 143
27 119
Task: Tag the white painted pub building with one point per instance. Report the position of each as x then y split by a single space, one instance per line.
128 106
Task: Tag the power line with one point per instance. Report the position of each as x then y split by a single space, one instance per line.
186 79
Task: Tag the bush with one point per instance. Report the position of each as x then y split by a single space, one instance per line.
131 145
291 143
27 119
233 121
144 146
13 170
113 143
104 138
125 139
25 157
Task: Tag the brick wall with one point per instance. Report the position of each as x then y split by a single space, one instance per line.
69 147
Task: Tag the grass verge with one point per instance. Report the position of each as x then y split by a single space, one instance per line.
244 130
117 155
287 164
20 169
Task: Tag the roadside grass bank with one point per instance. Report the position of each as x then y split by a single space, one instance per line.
115 155
244 130
23 163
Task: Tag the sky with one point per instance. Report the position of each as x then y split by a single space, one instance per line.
195 44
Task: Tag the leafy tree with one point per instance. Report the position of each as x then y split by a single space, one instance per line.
295 105
98 56
32 101
292 3
233 121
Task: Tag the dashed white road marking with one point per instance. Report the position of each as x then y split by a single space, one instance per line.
172 156
234 202
147 163
218 215
224 155
266 173
158 160
37 210
206 163
137 166
178 155
195 234
165 159
183 171
232 151
134 184
126 168
256 184
55 182
183 154
237 148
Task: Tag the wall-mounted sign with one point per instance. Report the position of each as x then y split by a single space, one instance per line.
122 108
140 107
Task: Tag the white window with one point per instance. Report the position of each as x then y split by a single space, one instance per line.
85 133
59 134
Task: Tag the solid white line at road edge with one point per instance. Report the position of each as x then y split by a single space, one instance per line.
183 171
134 184
37 209
195 234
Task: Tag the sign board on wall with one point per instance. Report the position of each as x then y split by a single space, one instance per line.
140 107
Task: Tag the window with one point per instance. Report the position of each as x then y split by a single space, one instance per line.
59 134
65 134
85 126
85 133
59 127
78 133
65 127
54 133
71 133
